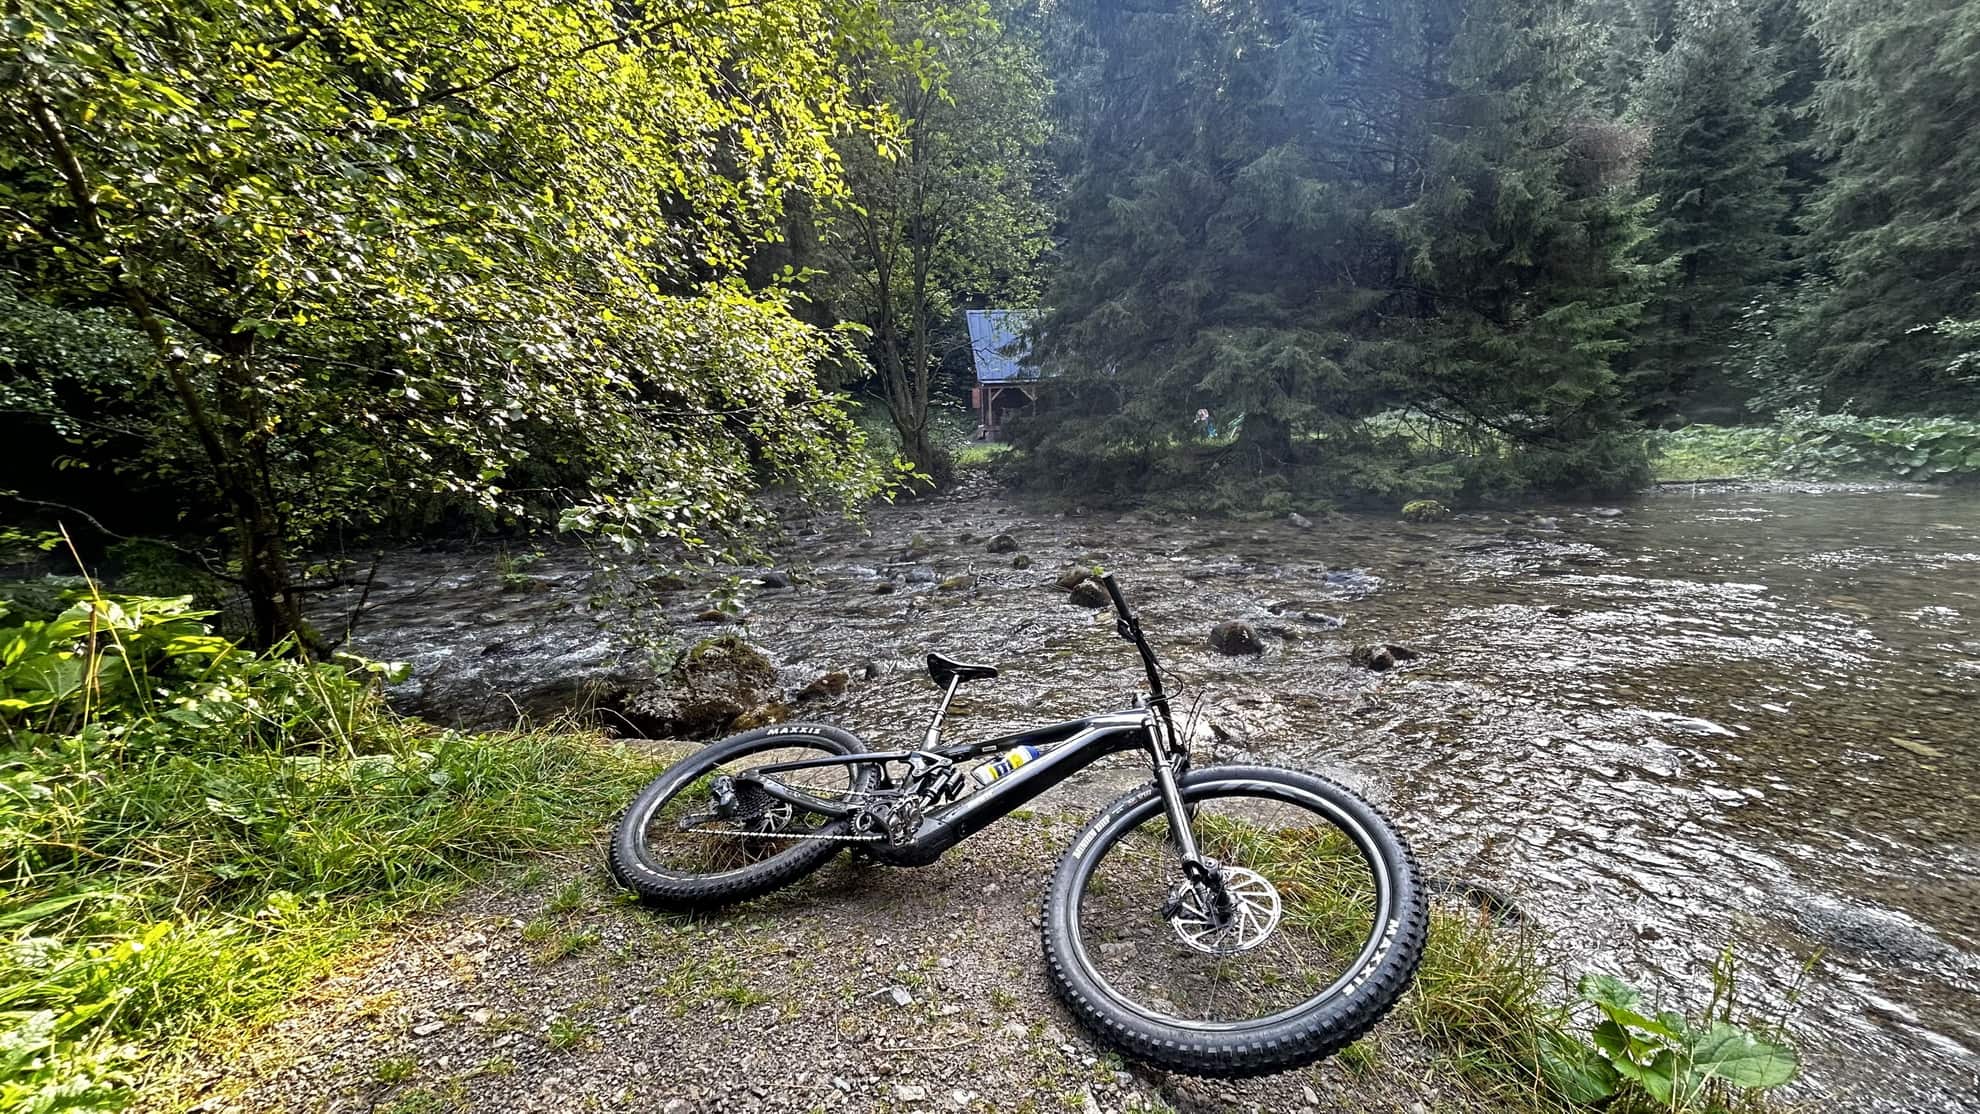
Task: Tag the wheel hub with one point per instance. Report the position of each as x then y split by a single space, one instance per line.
1254 913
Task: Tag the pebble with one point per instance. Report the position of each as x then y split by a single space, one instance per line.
909 1092
900 995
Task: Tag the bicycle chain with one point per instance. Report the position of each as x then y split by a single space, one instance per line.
839 793
782 835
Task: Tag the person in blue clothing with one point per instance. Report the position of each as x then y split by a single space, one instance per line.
1203 419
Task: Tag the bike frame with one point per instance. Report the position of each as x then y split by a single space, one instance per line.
1067 747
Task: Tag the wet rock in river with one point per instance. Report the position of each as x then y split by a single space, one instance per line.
712 685
884 587
1003 543
1072 578
1234 637
828 685
1021 561
1089 593
776 579
1869 930
714 615
1299 520
1489 900
667 582
957 583
1382 657
921 574
1425 510
763 715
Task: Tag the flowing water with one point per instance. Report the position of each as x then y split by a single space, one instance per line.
1710 716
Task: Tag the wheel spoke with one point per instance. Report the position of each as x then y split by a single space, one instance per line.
686 835
1299 889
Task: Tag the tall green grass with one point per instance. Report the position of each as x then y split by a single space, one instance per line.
1487 1019
189 831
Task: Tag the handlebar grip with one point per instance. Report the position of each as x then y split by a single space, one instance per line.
1113 587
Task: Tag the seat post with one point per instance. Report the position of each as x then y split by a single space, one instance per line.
934 736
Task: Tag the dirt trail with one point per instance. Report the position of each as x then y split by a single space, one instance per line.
790 1003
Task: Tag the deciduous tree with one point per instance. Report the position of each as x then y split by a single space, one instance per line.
478 250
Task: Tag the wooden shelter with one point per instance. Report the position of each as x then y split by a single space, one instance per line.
1006 380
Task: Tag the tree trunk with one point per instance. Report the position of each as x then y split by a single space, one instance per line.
1265 440
264 564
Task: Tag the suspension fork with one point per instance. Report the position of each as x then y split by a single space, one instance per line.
1201 874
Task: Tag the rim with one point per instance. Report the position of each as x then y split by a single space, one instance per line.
662 812
1372 947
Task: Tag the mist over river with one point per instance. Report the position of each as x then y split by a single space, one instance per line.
1711 715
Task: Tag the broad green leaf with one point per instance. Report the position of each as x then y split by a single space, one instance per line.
1580 1073
1735 1055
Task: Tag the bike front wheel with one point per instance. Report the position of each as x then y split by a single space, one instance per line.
1320 930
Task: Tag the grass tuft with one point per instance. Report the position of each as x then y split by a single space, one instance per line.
188 832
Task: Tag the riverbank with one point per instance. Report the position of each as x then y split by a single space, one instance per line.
1722 714
862 989
237 884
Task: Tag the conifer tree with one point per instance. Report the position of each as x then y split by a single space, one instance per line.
1715 170
1298 215
1894 229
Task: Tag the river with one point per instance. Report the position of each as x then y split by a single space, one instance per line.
1713 715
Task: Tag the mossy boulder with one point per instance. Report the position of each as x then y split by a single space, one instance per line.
1089 593
713 685
1235 637
1425 510
1072 578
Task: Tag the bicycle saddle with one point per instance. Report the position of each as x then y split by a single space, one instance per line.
942 669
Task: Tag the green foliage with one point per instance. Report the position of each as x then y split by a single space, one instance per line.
1300 216
189 830
946 211
1841 445
1892 229
1679 1065
476 254
1830 446
48 354
1708 452
1714 167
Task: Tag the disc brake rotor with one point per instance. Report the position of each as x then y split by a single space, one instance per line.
1254 915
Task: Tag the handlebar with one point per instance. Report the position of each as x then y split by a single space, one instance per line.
1130 629
1113 587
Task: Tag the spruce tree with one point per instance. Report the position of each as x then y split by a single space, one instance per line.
1303 214
1715 169
1895 229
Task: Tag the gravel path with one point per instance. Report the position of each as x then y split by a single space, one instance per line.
863 988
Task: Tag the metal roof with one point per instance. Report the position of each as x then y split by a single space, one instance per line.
996 341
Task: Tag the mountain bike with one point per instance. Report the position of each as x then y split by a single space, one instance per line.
1228 921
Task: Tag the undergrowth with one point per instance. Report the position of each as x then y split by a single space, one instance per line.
1486 1018
189 831
1488 1014
1825 446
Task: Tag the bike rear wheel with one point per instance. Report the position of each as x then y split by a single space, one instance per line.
673 848
1324 930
